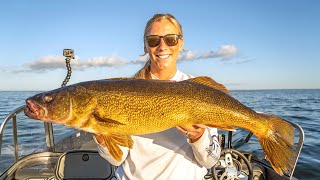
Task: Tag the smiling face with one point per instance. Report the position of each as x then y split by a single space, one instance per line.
163 57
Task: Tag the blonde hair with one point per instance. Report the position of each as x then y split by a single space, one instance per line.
144 72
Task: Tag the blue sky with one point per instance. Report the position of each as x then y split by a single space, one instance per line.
242 44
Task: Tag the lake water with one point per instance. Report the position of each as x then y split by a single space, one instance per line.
299 106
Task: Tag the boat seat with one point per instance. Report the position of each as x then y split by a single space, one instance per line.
83 164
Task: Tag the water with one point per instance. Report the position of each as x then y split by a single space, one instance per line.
299 106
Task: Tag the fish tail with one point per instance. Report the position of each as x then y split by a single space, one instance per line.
277 144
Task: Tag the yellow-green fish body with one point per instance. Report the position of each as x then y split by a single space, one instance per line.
118 108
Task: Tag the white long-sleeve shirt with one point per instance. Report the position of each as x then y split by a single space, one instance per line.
167 154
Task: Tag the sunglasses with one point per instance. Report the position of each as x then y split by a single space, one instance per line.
169 39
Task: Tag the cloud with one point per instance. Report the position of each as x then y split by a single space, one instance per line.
100 62
189 55
47 63
141 60
52 62
225 52
245 61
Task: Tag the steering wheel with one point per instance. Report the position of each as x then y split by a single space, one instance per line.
229 166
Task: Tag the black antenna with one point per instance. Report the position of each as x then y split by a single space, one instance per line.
69 54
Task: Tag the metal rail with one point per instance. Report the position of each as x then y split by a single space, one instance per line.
13 116
299 145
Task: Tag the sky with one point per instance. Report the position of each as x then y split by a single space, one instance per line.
242 44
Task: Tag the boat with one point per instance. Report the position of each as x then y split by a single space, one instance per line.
75 156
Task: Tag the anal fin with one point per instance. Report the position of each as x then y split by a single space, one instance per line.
113 141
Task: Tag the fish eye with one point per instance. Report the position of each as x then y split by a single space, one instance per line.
47 98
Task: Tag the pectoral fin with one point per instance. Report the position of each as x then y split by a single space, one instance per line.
107 121
205 80
113 141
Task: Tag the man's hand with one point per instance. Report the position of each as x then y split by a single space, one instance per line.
193 132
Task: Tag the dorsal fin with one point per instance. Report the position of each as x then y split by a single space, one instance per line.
121 78
207 81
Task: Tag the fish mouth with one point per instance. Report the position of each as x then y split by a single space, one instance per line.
31 110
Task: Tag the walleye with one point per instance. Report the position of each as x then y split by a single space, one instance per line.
117 108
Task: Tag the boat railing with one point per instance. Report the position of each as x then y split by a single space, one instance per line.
13 116
298 148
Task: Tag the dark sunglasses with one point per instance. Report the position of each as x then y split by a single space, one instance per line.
169 39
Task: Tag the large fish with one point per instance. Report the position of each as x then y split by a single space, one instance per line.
118 108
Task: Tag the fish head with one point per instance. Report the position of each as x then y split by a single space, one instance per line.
52 106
